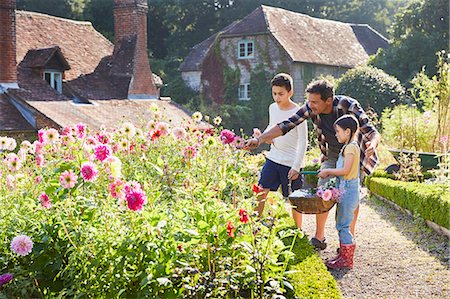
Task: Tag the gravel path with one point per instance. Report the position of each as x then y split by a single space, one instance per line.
397 256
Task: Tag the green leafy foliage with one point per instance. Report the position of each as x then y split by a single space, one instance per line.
371 87
419 31
406 127
189 240
430 201
423 123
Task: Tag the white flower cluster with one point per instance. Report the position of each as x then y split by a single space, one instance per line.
7 143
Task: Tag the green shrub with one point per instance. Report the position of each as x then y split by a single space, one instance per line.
308 274
430 201
370 86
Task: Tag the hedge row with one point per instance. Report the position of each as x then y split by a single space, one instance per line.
308 274
430 201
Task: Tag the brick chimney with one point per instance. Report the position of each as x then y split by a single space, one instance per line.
8 67
130 21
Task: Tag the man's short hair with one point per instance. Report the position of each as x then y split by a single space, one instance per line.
282 80
322 87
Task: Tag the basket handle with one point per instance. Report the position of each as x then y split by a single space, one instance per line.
309 172
312 172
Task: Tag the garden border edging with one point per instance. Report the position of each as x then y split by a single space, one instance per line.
436 227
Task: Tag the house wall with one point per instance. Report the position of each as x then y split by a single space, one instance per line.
192 79
266 51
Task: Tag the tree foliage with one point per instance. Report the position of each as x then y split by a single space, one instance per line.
420 30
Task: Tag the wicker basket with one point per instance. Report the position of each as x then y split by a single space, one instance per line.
309 203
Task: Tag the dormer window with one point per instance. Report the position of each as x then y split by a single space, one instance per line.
54 78
47 63
245 49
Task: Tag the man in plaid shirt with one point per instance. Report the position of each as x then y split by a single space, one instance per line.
324 108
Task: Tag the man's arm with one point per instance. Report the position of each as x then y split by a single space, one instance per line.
372 144
280 129
265 137
366 128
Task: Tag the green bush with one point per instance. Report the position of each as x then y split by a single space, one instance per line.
430 201
370 86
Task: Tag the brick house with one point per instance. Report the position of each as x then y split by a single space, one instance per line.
57 72
277 40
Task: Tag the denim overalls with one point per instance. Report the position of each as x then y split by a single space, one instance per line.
348 203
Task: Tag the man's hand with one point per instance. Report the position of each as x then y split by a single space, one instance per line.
323 173
371 146
251 144
293 174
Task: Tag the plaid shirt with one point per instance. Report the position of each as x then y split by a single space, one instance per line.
341 105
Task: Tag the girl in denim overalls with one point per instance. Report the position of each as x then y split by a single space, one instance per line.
347 171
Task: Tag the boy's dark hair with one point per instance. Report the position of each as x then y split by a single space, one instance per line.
322 87
282 80
348 121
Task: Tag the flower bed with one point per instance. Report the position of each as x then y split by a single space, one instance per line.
430 201
143 213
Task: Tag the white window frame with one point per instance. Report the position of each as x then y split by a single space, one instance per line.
244 92
52 74
246 54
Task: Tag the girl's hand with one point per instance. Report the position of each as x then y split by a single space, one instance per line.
323 173
293 174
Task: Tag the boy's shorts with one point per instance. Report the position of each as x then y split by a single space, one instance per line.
273 175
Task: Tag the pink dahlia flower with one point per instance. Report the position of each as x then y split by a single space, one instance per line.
45 200
115 188
102 152
68 179
327 195
179 133
89 171
81 130
21 245
163 127
135 197
5 278
227 137
52 135
189 152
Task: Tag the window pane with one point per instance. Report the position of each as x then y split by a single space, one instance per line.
241 91
241 49
249 91
58 82
250 49
47 77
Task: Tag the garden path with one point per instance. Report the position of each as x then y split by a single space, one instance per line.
397 256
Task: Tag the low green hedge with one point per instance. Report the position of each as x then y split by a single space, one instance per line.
430 201
309 275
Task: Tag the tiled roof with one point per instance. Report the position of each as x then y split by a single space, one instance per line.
304 38
10 117
39 58
82 46
320 41
109 113
96 76
194 60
